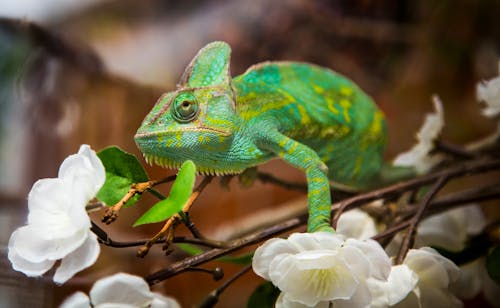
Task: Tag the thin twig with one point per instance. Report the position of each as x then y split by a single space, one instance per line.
453 150
213 297
106 240
409 238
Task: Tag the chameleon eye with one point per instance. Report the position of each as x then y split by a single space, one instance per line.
185 109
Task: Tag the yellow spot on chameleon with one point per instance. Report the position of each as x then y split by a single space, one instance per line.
292 148
304 117
376 125
346 105
318 89
331 105
203 139
347 91
178 137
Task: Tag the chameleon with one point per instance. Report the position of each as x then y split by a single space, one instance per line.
311 117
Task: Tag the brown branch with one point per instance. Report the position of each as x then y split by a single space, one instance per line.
453 150
213 297
108 241
111 213
290 224
469 168
179 267
409 238
490 192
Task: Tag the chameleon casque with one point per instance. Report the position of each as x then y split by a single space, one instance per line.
313 118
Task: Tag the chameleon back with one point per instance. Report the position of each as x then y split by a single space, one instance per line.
320 109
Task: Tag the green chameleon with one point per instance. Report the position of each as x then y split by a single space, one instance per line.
313 118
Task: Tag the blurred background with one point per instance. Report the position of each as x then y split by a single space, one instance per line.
101 65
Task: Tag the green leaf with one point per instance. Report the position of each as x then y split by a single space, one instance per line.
190 249
264 296
122 170
179 194
493 264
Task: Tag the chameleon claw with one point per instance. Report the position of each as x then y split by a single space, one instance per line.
110 215
168 230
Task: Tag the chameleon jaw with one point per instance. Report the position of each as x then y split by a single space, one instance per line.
171 164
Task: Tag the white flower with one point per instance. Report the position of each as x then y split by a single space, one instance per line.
423 280
356 224
419 156
120 290
58 226
489 92
450 230
314 269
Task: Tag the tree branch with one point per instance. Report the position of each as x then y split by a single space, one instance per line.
472 167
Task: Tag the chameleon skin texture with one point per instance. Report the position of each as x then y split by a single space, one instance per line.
313 118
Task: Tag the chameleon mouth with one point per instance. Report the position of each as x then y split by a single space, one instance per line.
221 132
172 164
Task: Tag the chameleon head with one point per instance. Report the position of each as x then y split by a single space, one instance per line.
198 117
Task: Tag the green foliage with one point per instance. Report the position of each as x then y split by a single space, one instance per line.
179 195
264 296
122 170
493 264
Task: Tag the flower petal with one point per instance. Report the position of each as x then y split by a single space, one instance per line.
427 268
443 231
437 297
30 246
489 92
469 283
362 298
121 288
83 257
77 300
380 263
356 224
267 252
419 156
401 282
316 240
47 195
284 302
85 169
30 269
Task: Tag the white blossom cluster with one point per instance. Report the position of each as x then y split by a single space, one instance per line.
58 226
120 290
322 269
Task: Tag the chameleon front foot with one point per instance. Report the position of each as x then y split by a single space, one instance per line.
166 232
